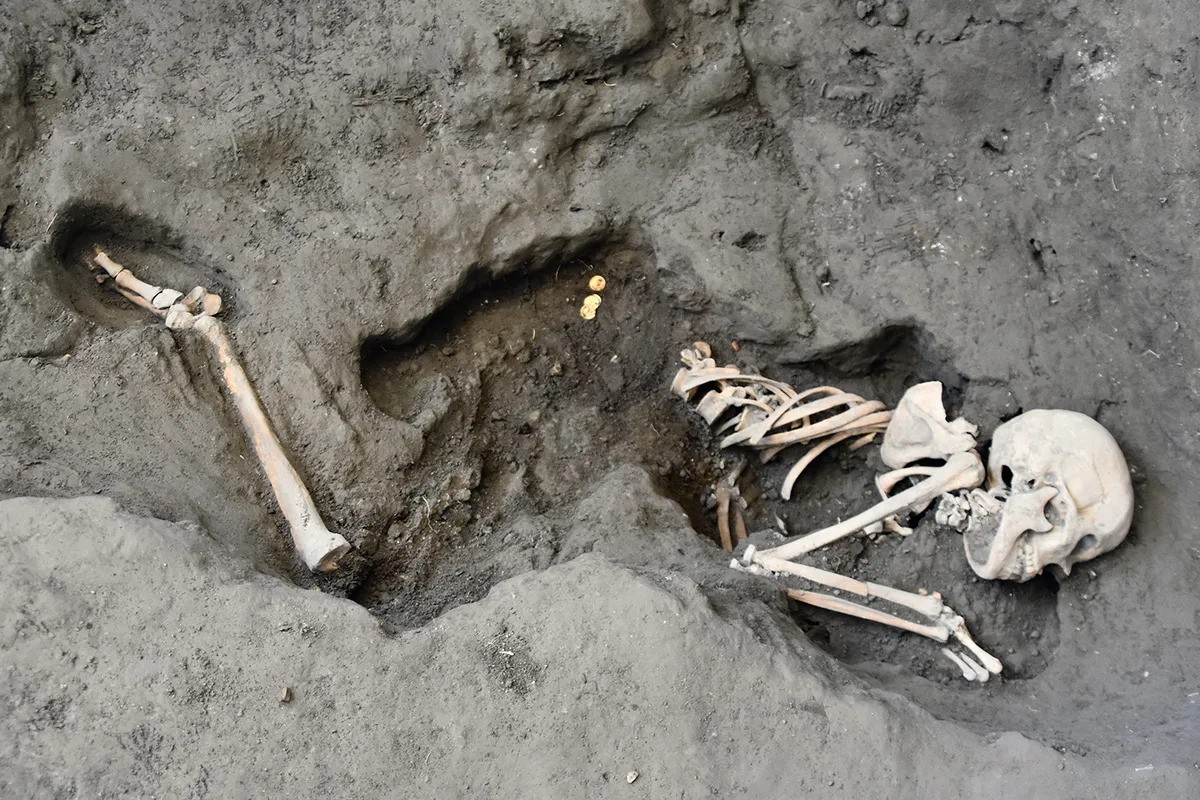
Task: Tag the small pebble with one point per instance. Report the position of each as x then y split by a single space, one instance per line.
286 695
631 776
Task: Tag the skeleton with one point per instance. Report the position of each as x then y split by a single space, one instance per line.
1044 456
321 549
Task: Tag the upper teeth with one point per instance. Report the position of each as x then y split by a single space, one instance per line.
1028 558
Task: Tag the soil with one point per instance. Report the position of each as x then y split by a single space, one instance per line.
402 208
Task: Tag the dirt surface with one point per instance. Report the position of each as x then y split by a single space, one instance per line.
402 208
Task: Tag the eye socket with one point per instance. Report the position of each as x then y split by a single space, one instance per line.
1084 545
1006 476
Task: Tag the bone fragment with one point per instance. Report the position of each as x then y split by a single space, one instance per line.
816 430
739 526
712 406
970 670
886 482
787 414
919 429
701 377
863 441
794 473
677 384
138 300
961 471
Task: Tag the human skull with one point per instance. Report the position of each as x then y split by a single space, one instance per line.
1065 492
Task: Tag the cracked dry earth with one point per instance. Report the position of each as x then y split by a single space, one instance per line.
402 205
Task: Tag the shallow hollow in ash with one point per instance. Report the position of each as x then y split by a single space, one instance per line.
523 404
146 247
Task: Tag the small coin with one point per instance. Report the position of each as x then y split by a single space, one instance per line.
597 283
588 312
592 301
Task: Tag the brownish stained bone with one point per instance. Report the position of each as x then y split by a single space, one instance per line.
723 498
321 549
739 526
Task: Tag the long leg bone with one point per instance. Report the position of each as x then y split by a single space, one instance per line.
321 549
849 608
943 623
962 471
156 296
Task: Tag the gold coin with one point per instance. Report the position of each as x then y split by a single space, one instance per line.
588 312
597 283
592 301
